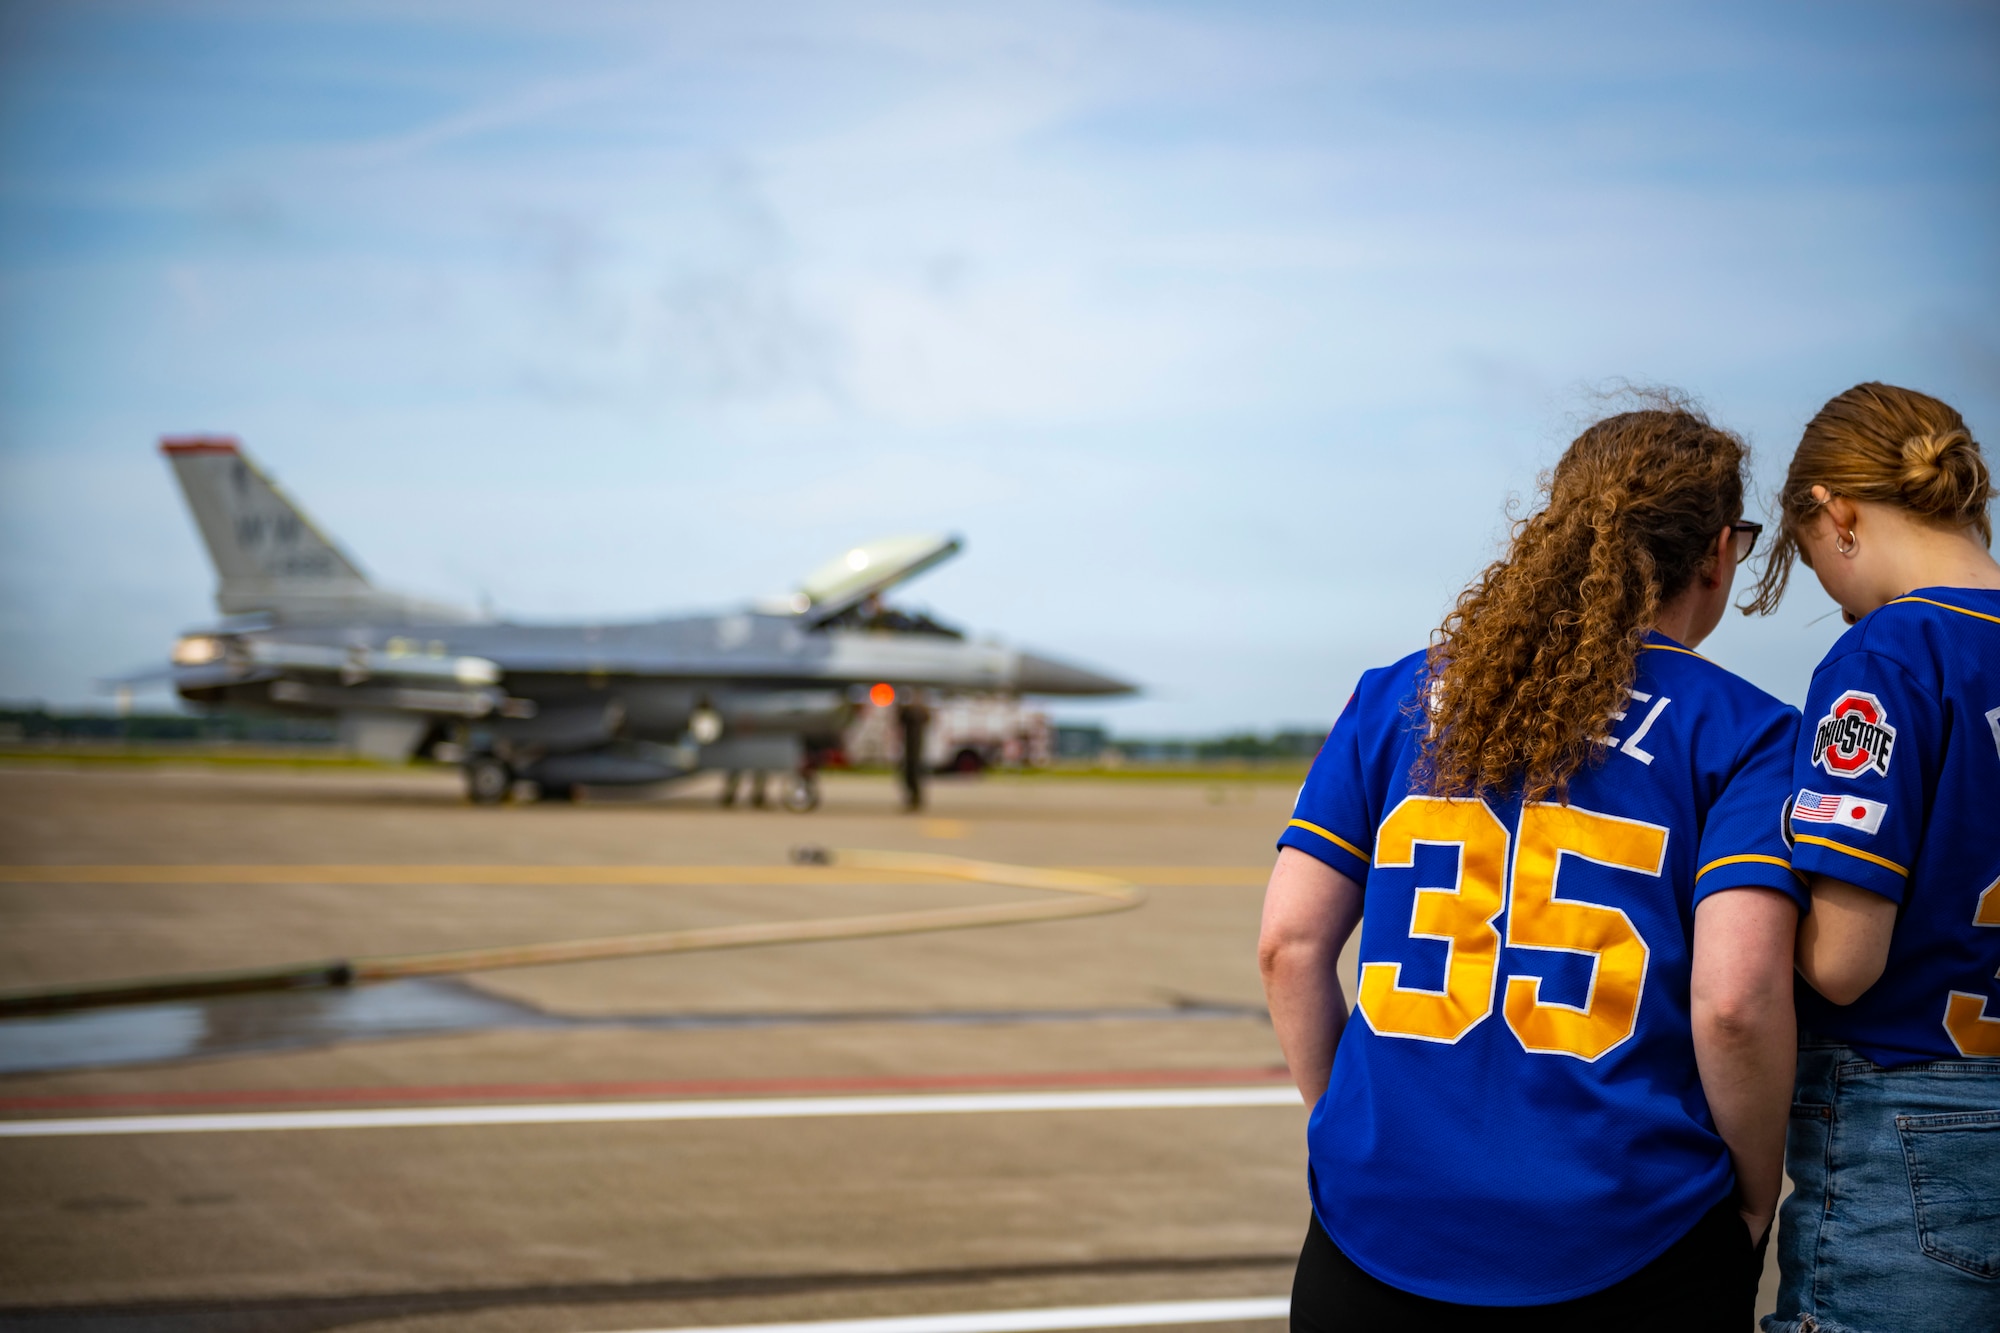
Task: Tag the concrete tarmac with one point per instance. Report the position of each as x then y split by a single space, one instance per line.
652 1225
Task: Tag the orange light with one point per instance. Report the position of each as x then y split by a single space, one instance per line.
882 695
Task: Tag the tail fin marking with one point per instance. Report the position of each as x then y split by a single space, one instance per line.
262 544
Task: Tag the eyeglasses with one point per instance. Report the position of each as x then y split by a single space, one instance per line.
1746 538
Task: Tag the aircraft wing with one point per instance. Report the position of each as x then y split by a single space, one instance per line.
777 648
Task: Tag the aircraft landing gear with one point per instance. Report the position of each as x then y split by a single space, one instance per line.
488 780
732 782
801 793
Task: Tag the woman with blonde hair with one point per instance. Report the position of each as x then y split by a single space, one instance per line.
1562 1103
1894 1222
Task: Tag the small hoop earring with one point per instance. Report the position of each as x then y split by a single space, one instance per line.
1848 547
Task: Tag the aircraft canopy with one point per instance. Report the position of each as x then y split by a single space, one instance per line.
871 569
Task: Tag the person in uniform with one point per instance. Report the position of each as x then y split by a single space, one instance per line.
1561 1101
913 716
1894 1220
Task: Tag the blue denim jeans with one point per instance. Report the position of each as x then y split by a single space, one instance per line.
1893 1225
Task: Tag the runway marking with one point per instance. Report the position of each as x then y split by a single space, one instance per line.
651 1088
602 1113
580 875
1083 894
609 875
1152 1315
1188 877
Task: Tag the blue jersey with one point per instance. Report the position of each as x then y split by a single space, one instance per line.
1515 1116
1898 791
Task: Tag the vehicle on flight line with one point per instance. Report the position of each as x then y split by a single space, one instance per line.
766 689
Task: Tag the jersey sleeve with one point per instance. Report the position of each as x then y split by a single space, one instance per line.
1743 842
1331 819
1863 773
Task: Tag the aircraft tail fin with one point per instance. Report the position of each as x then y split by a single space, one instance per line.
269 556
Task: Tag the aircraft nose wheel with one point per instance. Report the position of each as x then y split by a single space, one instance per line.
488 780
802 794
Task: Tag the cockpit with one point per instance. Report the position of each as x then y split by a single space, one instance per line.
873 615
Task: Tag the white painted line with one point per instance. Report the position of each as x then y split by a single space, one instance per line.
1033 1321
604 1113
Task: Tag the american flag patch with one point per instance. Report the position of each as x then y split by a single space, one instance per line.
1812 807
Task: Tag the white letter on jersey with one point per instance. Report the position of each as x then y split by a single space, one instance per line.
1993 721
1631 745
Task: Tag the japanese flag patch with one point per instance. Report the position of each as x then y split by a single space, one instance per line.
1846 811
1854 737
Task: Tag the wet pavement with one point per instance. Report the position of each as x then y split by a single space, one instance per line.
236 1025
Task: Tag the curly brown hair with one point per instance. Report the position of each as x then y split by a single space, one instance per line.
1884 444
1525 673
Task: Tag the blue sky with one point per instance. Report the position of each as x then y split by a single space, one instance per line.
1222 333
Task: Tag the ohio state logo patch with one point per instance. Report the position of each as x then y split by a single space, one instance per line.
1854 737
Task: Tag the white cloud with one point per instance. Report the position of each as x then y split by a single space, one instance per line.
1228 328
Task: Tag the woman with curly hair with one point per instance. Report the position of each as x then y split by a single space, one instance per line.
1564 1096
1894 1220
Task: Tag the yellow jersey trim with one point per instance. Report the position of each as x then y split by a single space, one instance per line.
1882 861
1746 857
1976 615
1333 838
1669 648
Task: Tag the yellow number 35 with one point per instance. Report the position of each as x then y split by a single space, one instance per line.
1463 918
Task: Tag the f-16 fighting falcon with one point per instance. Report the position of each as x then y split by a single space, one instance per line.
766 689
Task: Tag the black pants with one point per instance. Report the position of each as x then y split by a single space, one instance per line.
1706 1280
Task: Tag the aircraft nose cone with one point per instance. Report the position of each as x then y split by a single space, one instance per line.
1045 675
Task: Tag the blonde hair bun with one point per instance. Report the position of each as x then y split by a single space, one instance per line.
1887 445
1943 476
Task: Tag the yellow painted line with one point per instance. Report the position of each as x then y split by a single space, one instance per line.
1253 876
1193 877
1085 893
448 874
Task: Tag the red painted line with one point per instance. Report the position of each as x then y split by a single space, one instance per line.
715 1087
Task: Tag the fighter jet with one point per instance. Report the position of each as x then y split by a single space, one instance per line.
765 689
